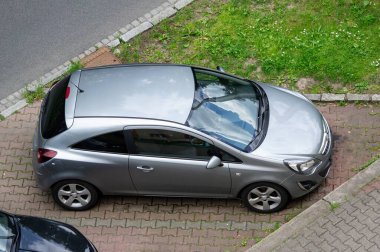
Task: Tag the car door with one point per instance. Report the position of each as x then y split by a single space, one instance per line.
102 160
170 161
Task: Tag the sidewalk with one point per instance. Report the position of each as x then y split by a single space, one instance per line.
348 219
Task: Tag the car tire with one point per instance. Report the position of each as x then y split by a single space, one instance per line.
75 195
265 197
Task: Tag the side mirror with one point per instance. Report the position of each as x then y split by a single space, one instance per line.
219 68
214 162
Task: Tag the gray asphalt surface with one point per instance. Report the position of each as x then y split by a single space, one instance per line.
37 35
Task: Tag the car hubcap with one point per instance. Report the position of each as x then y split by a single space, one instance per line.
264 198
74 195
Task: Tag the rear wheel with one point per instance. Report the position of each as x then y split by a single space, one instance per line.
265 197
75 195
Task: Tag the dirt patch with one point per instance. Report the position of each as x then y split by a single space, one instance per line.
305 83
101 57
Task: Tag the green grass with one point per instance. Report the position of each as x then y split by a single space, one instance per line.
336 42
2 118
36 95
74 66
334 205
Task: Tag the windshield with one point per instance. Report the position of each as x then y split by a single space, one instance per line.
7 232
225 108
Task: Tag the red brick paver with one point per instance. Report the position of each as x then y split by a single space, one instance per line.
167 224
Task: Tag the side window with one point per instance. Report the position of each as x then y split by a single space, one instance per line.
111 142
165 143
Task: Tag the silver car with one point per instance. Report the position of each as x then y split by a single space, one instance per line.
181 131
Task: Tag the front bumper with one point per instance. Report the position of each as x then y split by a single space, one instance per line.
301 184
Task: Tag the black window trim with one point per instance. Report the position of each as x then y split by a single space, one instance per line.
132 151
98 151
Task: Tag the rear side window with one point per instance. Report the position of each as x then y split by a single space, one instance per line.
53 112
111 142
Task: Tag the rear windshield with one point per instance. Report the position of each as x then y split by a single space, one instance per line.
53 112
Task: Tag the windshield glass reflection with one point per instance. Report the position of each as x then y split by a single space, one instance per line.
225 108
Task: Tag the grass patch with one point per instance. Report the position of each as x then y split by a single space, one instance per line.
280 41
36 95
74 66
2 118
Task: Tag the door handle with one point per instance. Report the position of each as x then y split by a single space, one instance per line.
145 168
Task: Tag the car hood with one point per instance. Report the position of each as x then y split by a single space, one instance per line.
37 234
295 124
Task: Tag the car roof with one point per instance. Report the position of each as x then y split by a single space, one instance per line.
164 92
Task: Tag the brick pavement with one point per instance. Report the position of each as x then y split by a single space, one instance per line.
168 224
351 226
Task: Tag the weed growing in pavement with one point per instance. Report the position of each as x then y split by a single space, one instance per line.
371 161
276 226
1 117
331 41
257 239
290 216
36 95
334 205
244 242
342 103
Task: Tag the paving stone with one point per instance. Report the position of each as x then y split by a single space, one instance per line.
168 12
135 31
375 97
332 97
163 224
118 223
88 222
177 224
313 97
358 97
182 3
193 224
114 43
133 223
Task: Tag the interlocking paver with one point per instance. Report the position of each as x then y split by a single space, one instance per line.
357 229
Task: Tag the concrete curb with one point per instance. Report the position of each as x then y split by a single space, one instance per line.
319 209
15 101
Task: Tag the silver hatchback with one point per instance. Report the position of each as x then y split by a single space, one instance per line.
181 131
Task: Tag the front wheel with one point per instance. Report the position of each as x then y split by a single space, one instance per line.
265 197
75 195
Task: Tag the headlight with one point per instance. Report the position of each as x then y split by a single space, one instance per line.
301 166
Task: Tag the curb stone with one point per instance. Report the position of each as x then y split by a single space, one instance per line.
318 209
14 101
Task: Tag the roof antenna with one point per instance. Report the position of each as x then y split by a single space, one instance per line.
80 90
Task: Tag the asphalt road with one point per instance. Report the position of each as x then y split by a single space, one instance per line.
38 35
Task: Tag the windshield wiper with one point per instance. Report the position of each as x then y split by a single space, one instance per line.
8 237
223 98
